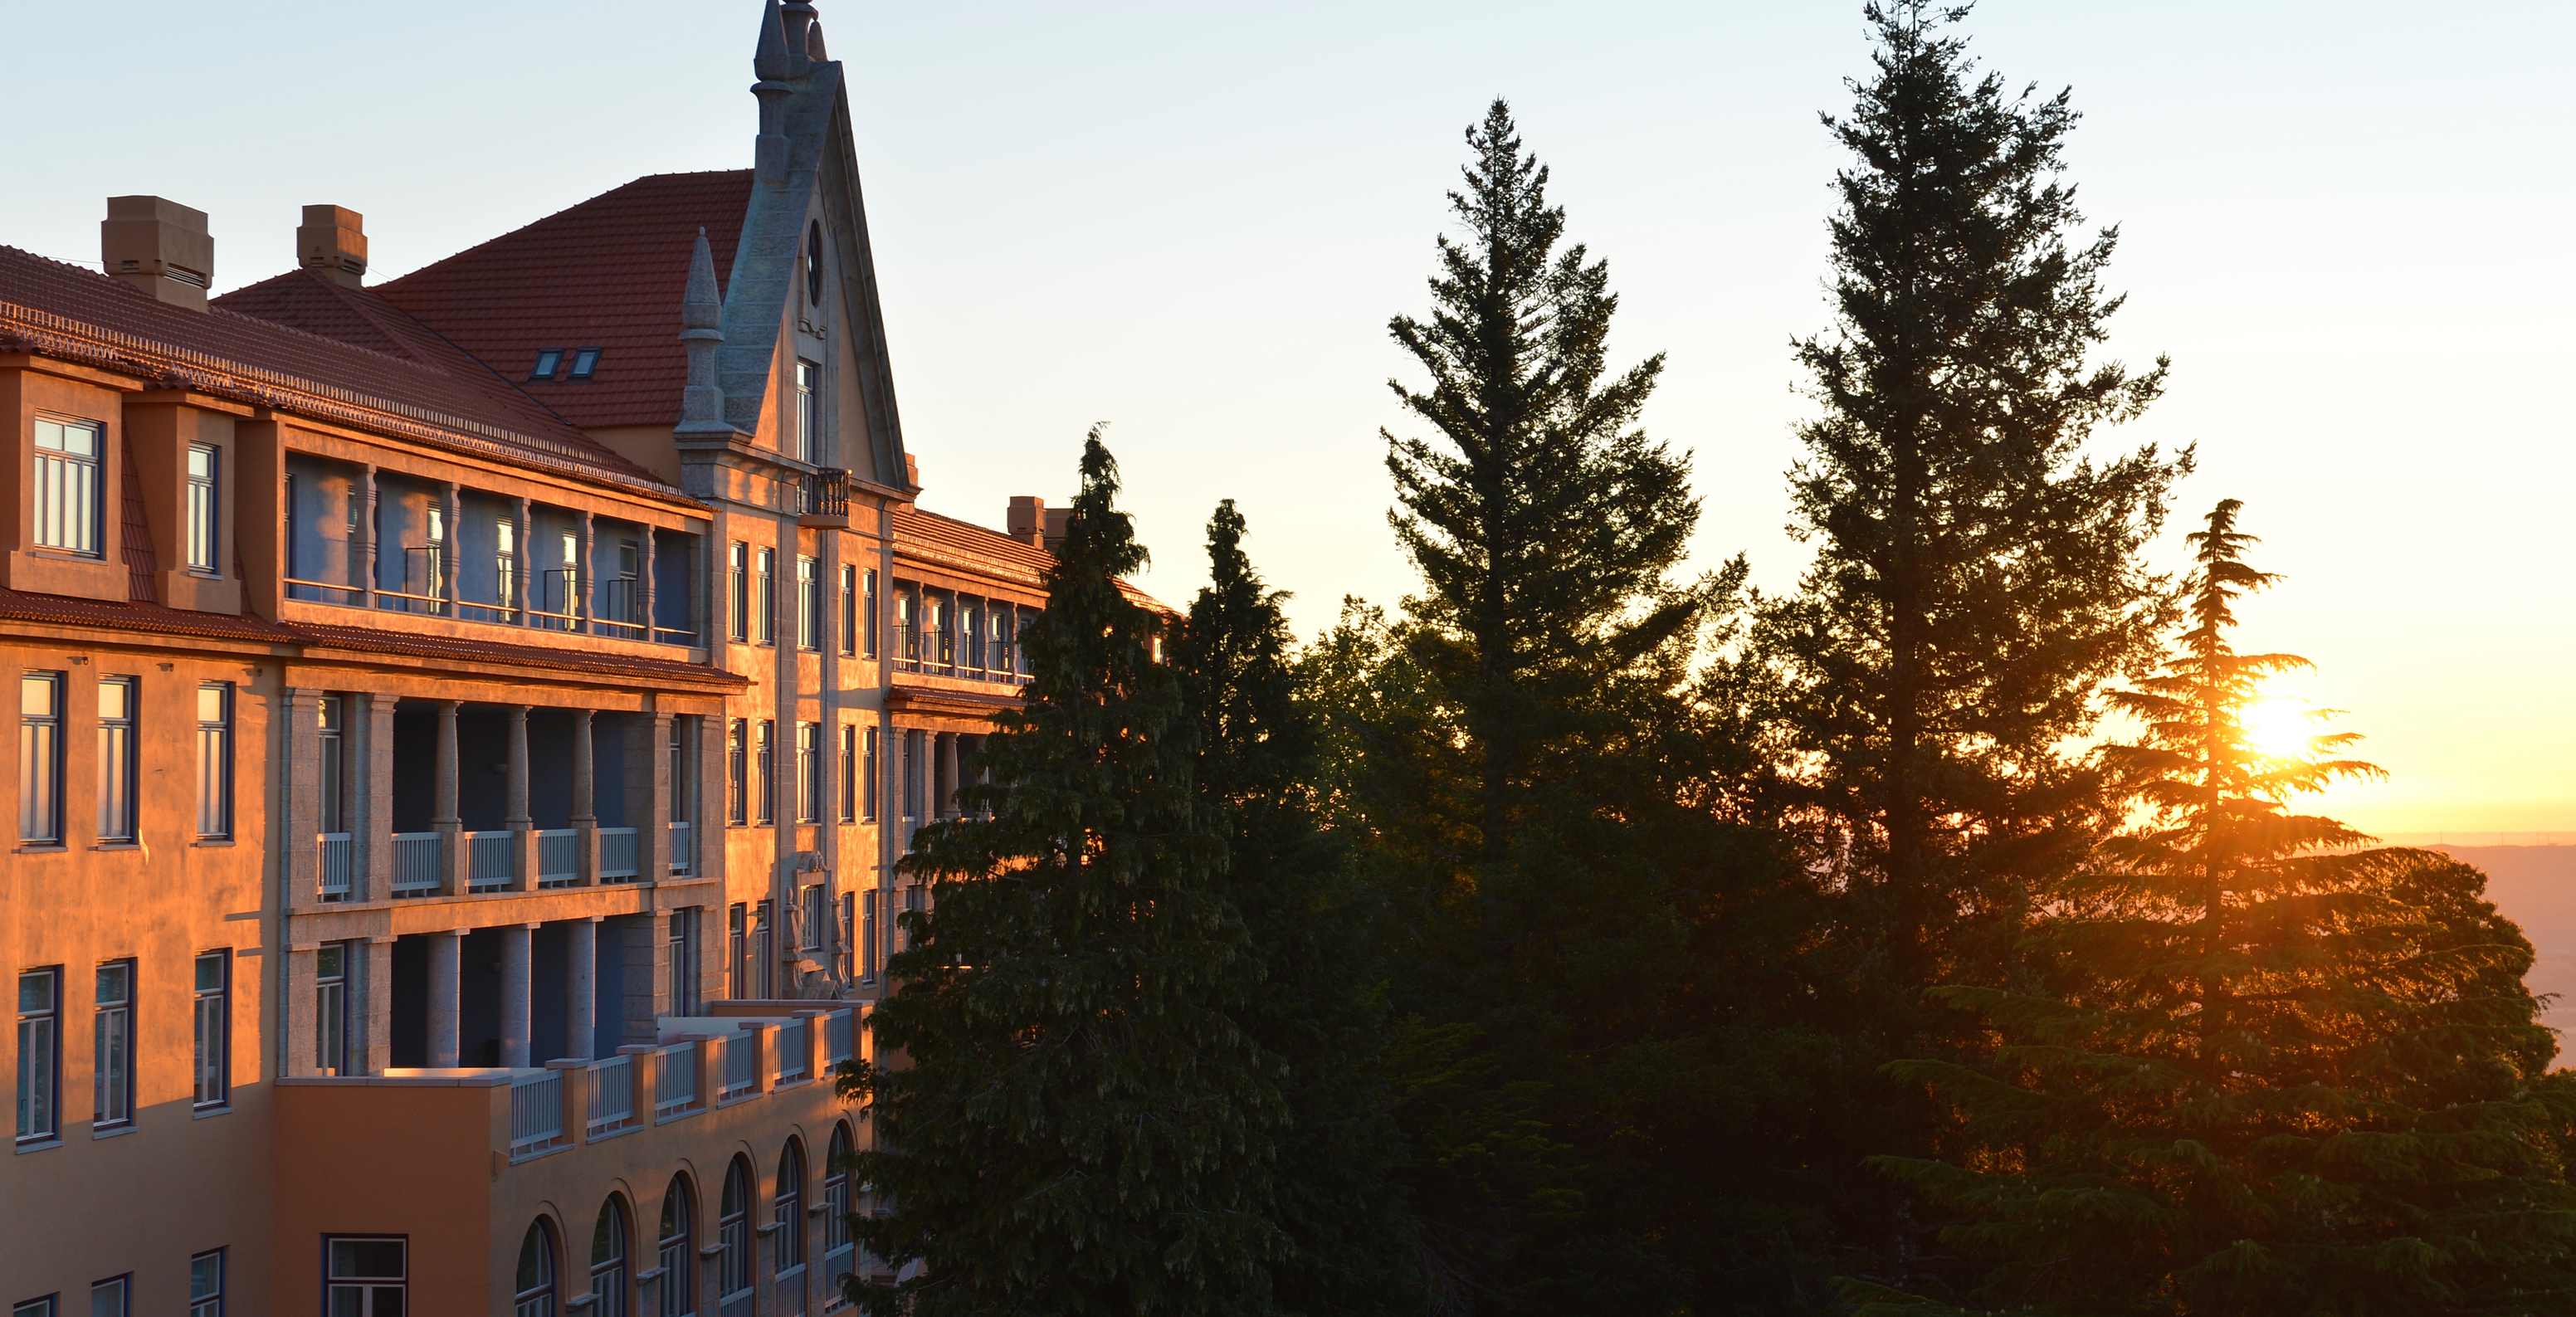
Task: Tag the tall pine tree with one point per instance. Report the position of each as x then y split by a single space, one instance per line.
2277 1073
1321 1009
1078 1123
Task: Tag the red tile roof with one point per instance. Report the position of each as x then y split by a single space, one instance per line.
963 546
627 667
608 273
142 615
428 393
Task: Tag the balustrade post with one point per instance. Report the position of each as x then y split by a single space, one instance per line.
523 840
447 555
582 577
456 866
519 565
644 1071
644 587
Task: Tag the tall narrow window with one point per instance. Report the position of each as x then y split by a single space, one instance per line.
214 1029
206 1285
809 412
112 1298
737 953
788 1248
836 1206
764 771
681 777
849 609
736 794
868 774
809 772
333 813
505 544
764 596
849 928
868 935
818 916
608 1262
733 1240
907 627
215 759
738 565
868 613
40 757
112 1047
116 759
367 1276
536 1283
913 743
331 1008
684 961
809 602
40 1054
849 773
912 904
1003 659
764 948
679 1297
67 485
205 519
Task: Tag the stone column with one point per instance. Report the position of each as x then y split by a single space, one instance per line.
365 551
643 974
447 556
581 987
449 826
370 793
514 994
946 805
300 711
523 842
528 594
297 1038
708 830
585 791
372 978
649 783
644 586
446 947
582 576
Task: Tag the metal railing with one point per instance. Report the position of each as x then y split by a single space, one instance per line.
339 864
489 857
795 1051
416 863
675 1079
612 1095
620 851
321 592
826 493
840 1036
536 1112
680 847
741 1064
558 857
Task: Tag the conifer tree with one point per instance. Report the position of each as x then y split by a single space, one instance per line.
1976 577
1320 1009
2279 1073
1078 1123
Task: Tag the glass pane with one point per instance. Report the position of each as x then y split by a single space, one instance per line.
201 462
210 704
36 696
210 973
369 1259
112 984
327 960
114 700
206 1276
348 1300
389 1302
35 993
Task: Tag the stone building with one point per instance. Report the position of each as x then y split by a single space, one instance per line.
467 725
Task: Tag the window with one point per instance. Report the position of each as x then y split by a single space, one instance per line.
809 772
765 771
912 905
40 1055
334 812
1002 658
809 412
684 961
817 915
206 1285
548 359
536 1283
40 757
907 633
112 1047
737 953
43 1307
733 1237
868 613
868 771
849 911
215 759
505 567
736 796
868 935
913 743
836 1207
943 629
331 1008
116 703
112 1298
68 483
787 1209
204 521
678 1295
214 1029
764 949
970 632
849 609
585 363
849 773
764 601
366 1276
608 1262
809 603
738 561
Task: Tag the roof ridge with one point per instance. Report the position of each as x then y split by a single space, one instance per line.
556 214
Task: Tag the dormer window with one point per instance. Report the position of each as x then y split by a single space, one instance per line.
585 363
547 360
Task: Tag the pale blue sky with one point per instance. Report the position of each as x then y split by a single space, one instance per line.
2346 222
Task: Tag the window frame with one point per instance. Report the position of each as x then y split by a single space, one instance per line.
764 592
787 1212
868 612
585 364
869 901
212 1025
869 785
809 412
849 765
549 363
112 1086
367 1286
738 773
674 1251
124 1292
809 772
40 1035
849 609
205 511
119 816
331 1010
738 567
764 771
40 759
49 493
207 1303
215 762
809 603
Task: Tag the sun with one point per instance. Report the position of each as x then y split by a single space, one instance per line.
2280 727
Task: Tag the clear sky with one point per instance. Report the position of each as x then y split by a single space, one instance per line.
2348 223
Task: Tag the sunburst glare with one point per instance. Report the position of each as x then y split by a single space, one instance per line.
2279 726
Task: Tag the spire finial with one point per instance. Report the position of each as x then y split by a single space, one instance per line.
701 312
701 308
769 59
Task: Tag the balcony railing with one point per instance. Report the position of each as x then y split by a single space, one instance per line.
490 857
675 1080
794 1051
618 851
558 857
826 493
840 1036
680 847
339 864
416 863
612 1095
536 1112
741 1064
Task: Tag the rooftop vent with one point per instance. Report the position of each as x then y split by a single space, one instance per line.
1031 521
158 246
333 239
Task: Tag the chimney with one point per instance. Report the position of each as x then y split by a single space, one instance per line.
333 239
1027 519
160 247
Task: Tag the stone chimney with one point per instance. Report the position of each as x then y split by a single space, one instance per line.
1031 521
333 239
160 247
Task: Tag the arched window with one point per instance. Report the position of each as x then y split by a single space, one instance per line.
790 1202
608 1262
679 1297
733 1240
836 1208
537 1272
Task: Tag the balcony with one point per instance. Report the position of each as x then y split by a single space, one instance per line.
824 499
420 868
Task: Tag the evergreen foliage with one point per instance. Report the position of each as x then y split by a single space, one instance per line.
1077 1123
2281 1074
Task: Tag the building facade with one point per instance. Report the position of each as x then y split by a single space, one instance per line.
467 727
